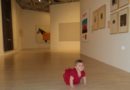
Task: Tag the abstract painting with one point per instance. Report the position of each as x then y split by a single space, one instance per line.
85 25
84 28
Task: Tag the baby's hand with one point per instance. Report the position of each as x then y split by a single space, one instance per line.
72 88
84 83
84 80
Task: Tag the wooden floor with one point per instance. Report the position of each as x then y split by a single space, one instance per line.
38 70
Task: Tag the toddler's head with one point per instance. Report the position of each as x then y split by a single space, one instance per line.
79 65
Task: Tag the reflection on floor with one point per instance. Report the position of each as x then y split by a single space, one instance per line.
38 70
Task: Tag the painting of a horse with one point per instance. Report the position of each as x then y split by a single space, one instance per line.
45 35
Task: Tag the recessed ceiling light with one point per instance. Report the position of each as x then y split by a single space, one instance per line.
39 0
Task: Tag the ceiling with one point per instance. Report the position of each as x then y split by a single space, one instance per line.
41 5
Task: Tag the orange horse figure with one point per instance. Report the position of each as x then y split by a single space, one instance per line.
45 35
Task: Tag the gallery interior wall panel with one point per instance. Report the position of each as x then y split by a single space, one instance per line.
69 31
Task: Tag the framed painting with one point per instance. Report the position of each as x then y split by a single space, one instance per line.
84 28
102 17
84 25
114 5
124 20
95 20
42 34
114 24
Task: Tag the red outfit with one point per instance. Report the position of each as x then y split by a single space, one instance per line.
72 72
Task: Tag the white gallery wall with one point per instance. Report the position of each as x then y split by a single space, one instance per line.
64 14
29 21
15 22
16 19
113 49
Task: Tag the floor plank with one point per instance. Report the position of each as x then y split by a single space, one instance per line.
43 70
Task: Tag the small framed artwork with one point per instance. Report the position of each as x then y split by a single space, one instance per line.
95 20
123 20
102 17
114 23
85 25
84 28
114 4
123 2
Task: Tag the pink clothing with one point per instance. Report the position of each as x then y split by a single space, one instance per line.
72 72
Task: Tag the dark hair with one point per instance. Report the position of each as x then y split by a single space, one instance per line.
78 61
